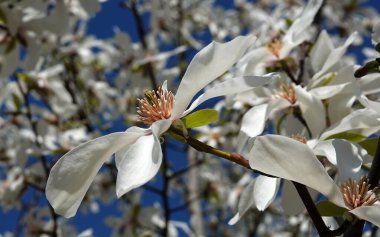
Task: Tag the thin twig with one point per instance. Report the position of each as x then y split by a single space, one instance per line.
36 136
141 33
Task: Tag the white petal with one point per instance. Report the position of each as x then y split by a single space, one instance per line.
335 56
253 58
245 202
325 92
265 191
366 119
374 105
340 106
208 64
326 148
368 213
139 164
312 110
72 175
231 86
289 159
370 83
253 122
321 51
349 160
296 33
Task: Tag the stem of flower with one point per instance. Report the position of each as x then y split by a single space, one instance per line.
44 162
200 146
322 229
288 72
140 30
374 172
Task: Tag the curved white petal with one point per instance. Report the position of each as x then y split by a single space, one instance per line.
320 51
253 122
72 175
325 92
374 105
366 119
326 148
340 106
368 213
254 58
312 110
231 86
296 33
289 159
349 160
208 64
370 83
265 191
245 202
139 163
335 55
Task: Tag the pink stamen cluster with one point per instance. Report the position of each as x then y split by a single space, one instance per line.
288 93
356 194
156 105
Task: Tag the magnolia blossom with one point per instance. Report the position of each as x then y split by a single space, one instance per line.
138 150
292 160
279 48
346 157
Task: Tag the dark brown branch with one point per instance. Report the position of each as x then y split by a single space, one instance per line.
37 143
141 33
312 210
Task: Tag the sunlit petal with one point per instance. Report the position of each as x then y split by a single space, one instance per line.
265 191
290 159
245 202
72 175
208 64
368 213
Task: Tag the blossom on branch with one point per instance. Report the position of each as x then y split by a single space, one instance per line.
138 150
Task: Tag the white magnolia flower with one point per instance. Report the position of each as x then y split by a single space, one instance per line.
279 49
292 160
347 157
138 150
340 153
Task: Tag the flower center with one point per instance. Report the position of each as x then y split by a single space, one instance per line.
275 47
356 194
156 105
287 92
299 138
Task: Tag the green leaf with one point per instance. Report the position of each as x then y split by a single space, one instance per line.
370 145
349 136
327 208
201 118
